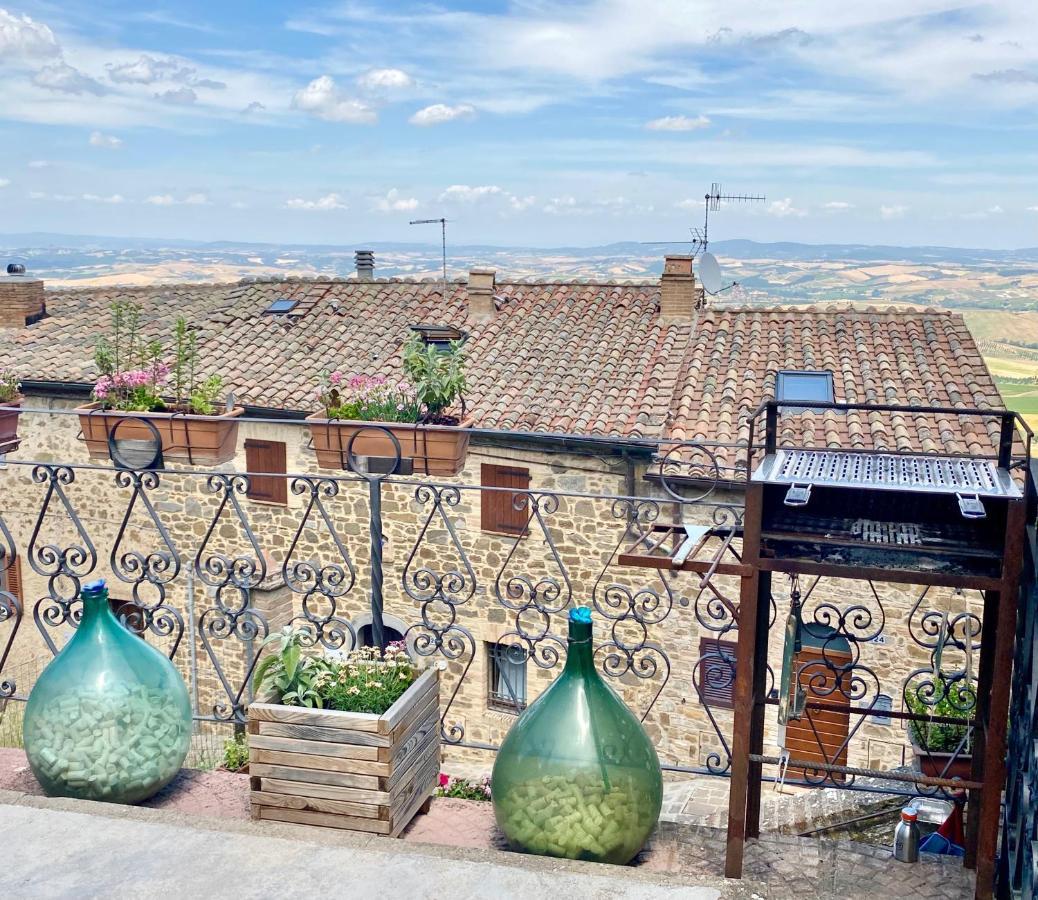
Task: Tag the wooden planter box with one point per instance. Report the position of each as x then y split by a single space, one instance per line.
932 763
434 451
9 412
203 441
355 771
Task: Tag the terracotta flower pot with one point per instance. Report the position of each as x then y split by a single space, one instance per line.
433 450
9 412
205 440
933 762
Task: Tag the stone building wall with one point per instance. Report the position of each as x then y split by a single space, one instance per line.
584 530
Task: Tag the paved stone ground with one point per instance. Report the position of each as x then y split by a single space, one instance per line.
690 842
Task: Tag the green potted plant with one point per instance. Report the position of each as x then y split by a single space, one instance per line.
137 384
351 742
416 410
10 408
934 743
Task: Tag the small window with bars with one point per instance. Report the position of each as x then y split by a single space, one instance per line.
506 668
266 456
498 508
717 673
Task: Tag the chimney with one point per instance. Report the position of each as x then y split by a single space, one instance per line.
365 260
679 296
481 293
21 298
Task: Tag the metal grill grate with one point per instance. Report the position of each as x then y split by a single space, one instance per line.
934 474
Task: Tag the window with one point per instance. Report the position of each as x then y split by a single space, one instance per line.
498 512
811 387
440 336
11 576
266 456
506 666
717 672
280 306
366 635
884 703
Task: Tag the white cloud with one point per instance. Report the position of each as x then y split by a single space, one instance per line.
439 113
322 98
37 195
254 107
385 79
148 69
108 141
4 182
196 199
112 198
39 164
466 194
678 123
327 202
181 96
1032 208
23 38
690 203
784 208
894 211
837 205
995 210
518 204
67 79
395 202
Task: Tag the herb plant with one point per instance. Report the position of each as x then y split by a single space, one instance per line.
236 753
8 386
939 737
437 375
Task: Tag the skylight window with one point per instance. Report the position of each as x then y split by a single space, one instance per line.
807 387
280 306
439 336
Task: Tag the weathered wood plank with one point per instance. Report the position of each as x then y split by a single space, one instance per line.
328 820
404 811
327 791
314 776
413 752
299 715
428 700
317 748
429 757
312 761
318 804
320 733
428 680
417 736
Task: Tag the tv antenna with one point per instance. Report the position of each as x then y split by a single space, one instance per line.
709 269
443 234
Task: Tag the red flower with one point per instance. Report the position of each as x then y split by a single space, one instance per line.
444 780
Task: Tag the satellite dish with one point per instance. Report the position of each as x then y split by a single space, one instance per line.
709 273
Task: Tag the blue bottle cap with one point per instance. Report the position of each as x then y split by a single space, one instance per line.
95 587
580 614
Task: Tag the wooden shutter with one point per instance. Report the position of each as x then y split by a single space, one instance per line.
267 456
11 577
498 512
820 733
717 672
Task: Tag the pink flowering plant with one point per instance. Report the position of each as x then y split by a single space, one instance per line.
463 788
135 377
368 398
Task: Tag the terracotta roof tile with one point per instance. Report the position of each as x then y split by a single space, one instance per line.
572 357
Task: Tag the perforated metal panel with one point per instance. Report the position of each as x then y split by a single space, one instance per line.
928 474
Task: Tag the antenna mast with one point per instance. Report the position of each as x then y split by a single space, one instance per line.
443 233
712 201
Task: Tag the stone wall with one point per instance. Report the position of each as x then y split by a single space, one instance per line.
501 572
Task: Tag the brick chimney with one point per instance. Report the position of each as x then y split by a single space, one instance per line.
21 298
679 296
365 260
481 293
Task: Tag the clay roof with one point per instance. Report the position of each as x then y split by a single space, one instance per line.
578 358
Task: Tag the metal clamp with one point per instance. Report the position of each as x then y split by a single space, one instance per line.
970 506
798 495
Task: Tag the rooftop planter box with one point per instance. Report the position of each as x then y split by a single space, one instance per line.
440 450
201 440
9 412
354 771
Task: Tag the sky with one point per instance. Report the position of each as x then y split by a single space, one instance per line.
537 123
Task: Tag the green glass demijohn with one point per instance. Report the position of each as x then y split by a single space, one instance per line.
577 776
109 718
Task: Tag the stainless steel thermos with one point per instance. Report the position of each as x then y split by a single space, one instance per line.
906 836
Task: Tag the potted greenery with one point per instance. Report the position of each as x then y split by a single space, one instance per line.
934 743
415 410
136 385
10 408
350 742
